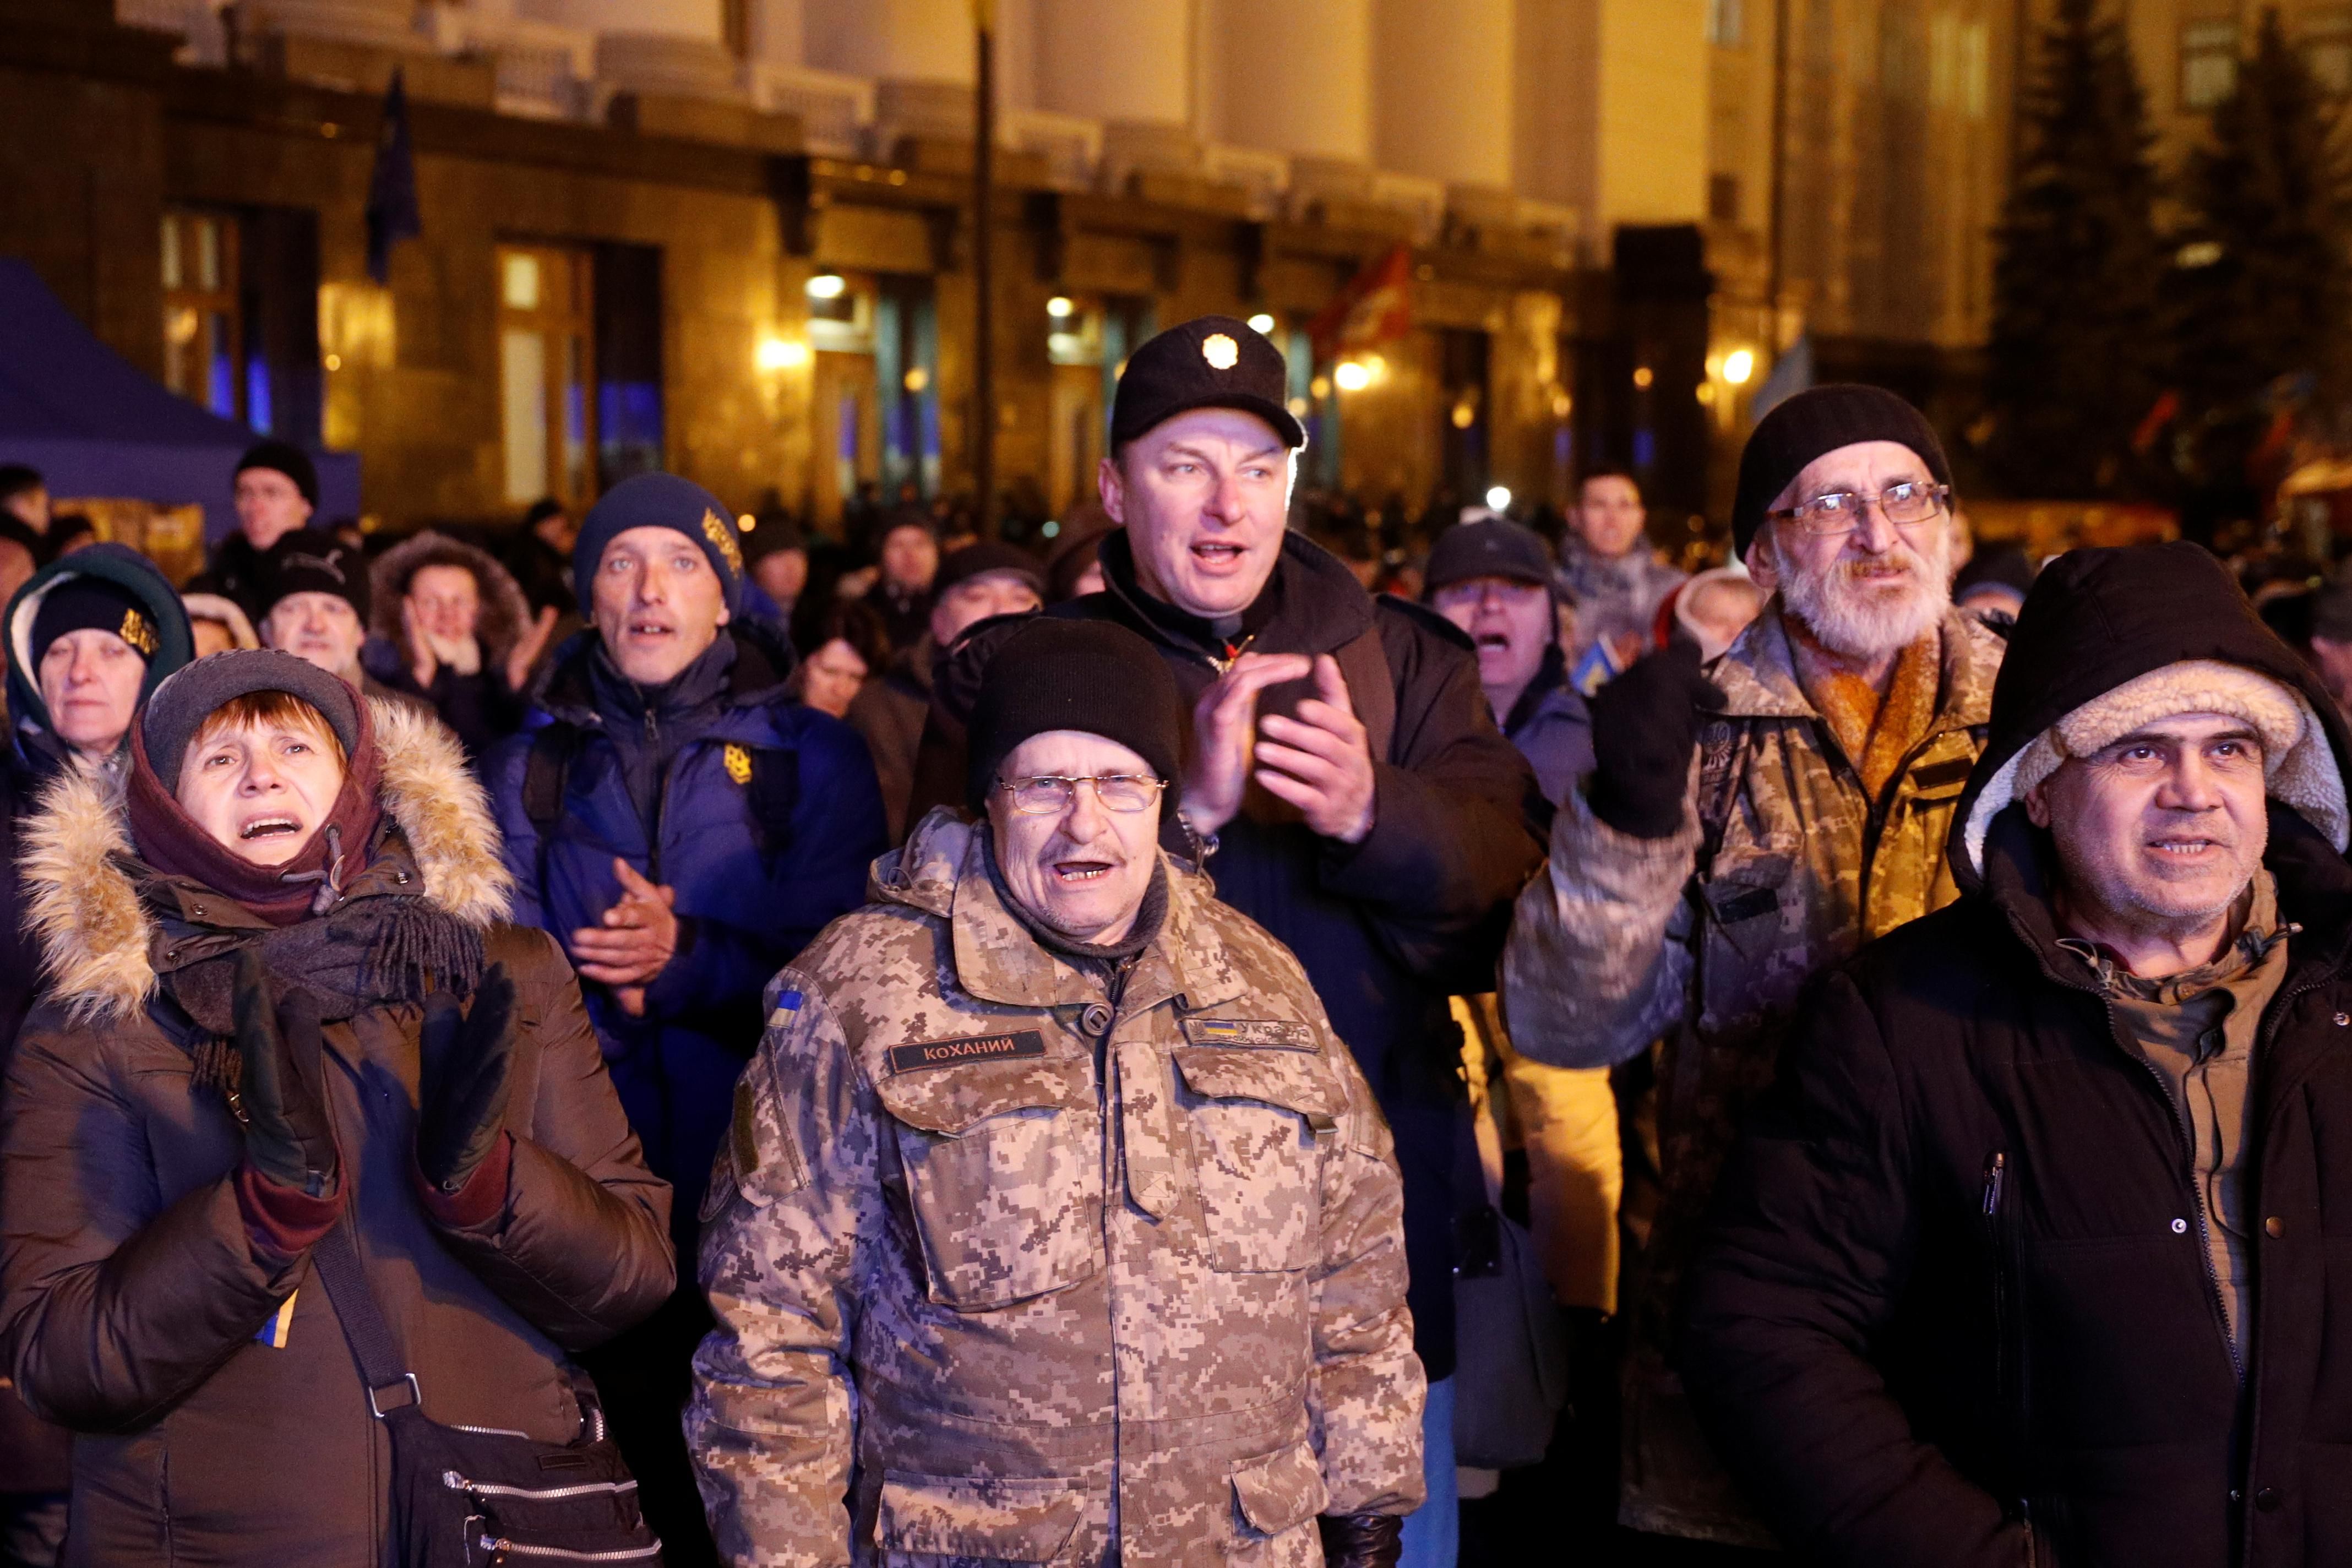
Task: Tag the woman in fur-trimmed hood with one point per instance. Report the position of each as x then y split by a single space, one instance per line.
462 639
283 998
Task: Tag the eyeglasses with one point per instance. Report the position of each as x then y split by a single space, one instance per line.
1046 795
1842 511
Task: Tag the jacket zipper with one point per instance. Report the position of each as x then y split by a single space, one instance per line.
501 1549
457 1483
2008 1369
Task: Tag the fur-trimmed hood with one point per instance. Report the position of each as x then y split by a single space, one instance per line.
96 933
505 613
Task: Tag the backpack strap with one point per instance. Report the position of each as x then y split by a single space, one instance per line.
546 775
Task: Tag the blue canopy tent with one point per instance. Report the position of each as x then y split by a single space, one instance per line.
95 426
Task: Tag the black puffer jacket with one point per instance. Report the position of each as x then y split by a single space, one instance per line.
1956 1306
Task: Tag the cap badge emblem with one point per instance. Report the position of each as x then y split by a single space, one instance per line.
1221 351
721 535
139 634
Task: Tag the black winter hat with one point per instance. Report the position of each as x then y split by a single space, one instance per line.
1214 362
93 604
2096 619
980 560
183 702
1094 675
312 561
660 501
1490 547
286 459
1812 425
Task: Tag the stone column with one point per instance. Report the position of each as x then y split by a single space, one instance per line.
1442 86
1296 76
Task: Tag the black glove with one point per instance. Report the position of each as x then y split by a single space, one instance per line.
1362 1539
281 1085
1645 726
461 1079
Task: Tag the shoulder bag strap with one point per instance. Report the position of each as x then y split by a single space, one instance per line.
336 1261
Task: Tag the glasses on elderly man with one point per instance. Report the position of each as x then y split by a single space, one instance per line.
1042 794
1840 512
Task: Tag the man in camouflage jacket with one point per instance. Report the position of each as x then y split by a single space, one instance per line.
1740 834
1028 1250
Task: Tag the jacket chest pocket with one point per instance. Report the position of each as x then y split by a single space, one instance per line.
1256 1119
1004 1169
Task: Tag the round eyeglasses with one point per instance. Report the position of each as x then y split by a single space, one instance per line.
1840 512
1046 795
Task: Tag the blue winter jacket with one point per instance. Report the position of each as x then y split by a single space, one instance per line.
767 819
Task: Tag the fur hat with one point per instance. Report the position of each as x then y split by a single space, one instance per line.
2296 759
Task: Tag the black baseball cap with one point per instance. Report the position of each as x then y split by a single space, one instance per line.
1490 547
1214 362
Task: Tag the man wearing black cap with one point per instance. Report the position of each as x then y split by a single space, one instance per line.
1692 904
682 827
313 592
1492 577
974 584
277 491
1346 776
1057 1221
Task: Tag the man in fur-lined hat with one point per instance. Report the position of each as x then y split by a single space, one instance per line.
2031 1254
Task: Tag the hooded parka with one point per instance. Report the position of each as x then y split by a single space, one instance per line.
1957 1305
220 1417
1005 1271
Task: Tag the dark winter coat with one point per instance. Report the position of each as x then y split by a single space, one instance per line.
235 571
765 821
1552 727
889 712
1956 1306
134 1281
1388 928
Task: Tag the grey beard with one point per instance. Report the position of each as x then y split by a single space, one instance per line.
1842 622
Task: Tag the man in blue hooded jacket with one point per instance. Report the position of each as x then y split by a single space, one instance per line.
683 828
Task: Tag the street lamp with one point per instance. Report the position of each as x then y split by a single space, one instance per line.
827 285
1349 376
1498 497
1738 366
1262 324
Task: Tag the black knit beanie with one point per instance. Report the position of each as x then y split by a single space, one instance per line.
187 699
283 456
92 604
1093 675
1812 425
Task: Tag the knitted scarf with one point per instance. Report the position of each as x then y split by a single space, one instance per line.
1874 731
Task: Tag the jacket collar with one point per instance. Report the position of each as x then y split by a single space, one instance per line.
1320 607
96 931
763 668
941 872
1758 672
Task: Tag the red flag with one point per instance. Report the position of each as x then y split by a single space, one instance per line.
1374 307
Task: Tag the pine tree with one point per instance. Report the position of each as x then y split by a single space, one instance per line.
2259 288
2076 353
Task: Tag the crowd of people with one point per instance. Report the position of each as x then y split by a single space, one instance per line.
667 1036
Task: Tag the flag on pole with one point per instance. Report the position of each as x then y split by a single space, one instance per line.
392 214
1375 308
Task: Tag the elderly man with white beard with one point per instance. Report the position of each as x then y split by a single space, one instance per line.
1746 825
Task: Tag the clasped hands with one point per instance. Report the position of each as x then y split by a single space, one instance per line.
1319 761
637 940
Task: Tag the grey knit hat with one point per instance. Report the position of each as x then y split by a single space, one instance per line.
183 703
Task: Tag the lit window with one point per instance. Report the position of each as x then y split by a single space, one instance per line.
2208 63
204 329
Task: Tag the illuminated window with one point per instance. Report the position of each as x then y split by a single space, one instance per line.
204 327
2208 63
546 373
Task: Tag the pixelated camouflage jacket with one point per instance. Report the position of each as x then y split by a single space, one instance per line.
1704 940
1003 1274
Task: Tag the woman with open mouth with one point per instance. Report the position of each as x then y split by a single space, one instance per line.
295 1072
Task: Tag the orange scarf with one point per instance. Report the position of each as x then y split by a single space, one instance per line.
1876 732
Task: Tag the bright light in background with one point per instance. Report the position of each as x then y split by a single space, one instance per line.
1498 497
917 378
1051 529
782 353
1349 376
1262 324
1642 376
1060 307
827 285
1737 366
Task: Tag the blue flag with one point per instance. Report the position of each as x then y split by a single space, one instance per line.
392 214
